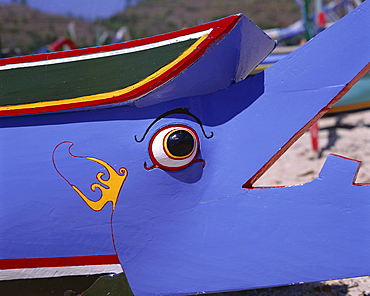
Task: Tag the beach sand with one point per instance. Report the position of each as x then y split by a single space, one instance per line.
347 135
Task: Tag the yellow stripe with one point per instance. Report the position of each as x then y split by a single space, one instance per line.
260 68
168 151
349 107
115 93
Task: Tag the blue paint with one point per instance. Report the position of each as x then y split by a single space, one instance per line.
214 235
228 61
197 230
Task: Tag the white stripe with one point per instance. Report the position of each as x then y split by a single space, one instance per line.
106 53
46 272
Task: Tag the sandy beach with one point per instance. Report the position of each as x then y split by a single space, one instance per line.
347 135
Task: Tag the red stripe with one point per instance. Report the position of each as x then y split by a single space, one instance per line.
294 138
223 27
58 261
222 23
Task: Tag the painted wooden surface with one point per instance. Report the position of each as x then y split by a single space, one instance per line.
207 58
91 250
95 184
357 99
79 76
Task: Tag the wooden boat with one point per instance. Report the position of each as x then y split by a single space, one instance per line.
357 99
154 175
124 73
193 61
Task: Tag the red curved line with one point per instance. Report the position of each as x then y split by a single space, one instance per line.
217 33
112 235
202 161
295 137
150 168
219 26
53 160
69 152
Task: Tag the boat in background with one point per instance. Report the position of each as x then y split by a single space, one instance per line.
142 157
326 15
357 99
205 58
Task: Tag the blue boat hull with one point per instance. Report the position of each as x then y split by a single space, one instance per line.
103 183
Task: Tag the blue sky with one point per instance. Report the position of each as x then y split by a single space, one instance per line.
88 9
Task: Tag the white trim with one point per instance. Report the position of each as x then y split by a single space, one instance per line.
47 272
160 155
106 53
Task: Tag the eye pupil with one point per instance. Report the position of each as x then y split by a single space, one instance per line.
180 143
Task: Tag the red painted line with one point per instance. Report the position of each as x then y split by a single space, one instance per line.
220 28
292 140
222 23
58 261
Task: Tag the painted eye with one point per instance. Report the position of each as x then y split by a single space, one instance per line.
174 147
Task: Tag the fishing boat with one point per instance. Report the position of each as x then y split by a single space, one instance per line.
139 159
193 61
357 99
124 73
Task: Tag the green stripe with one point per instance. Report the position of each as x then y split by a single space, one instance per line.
359 93
82 78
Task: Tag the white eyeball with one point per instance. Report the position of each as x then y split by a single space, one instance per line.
174 147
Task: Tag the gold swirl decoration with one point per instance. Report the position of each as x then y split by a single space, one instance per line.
109 188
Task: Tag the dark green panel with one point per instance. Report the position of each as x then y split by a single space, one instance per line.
67 285
116 285
81 78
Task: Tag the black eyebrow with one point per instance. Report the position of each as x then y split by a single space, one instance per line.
184 111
